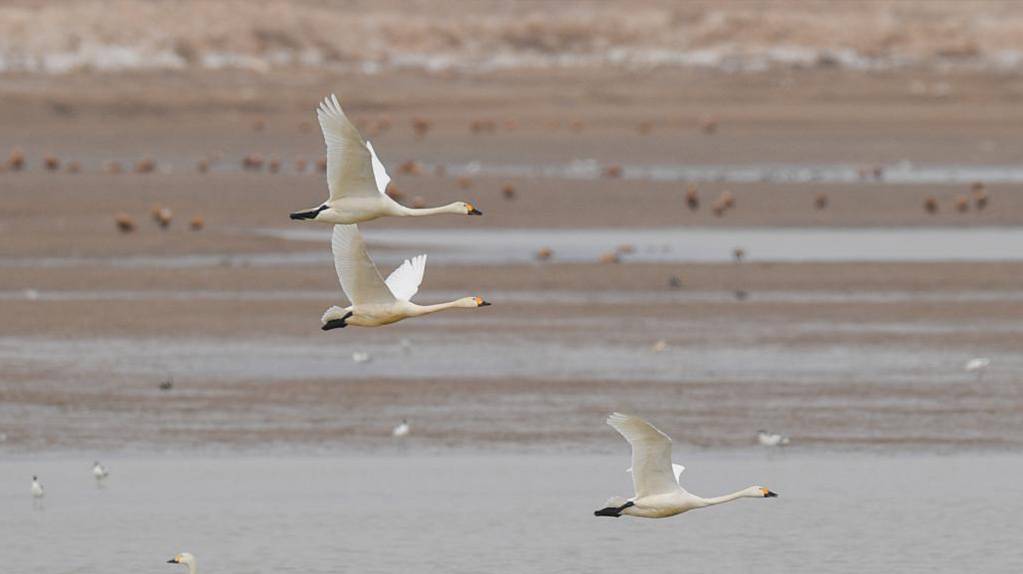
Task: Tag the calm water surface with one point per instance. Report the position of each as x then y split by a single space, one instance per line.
469 513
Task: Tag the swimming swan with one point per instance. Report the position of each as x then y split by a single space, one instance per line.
186 559
655 478
374 301
356 178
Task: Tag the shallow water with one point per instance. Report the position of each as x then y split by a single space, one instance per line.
695 244
471 513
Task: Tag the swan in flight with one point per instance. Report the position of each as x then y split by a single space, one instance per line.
656 479
37 488
374 301
186 559
99 471
771 439
356 179
401 430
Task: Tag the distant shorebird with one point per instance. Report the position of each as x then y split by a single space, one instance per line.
977 365
186 559
402 429
99 471
771 439
356 178
37 488
658 493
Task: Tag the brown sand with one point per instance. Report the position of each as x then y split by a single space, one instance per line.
811 116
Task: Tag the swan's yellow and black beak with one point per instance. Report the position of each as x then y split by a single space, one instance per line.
481 303
173 560
471 210
768 493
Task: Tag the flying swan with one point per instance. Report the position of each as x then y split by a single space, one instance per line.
656 479
356 178
376 302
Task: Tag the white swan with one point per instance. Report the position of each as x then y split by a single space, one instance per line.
37 488
374 301
771 439
356 178
99 471
186 559
402 429
655 478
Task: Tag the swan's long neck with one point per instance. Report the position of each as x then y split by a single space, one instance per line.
723 499
427 309
414 212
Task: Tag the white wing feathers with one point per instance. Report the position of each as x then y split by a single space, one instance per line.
349 163
404 281
652 472
379 171
676 468
359 277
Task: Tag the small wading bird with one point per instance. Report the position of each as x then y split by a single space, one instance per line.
186 559
376 302
401 430
356 178
37 488
99 471
977 365
771 439
656 479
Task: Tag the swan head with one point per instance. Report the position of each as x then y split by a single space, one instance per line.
183 558
469 208
760 492
476 301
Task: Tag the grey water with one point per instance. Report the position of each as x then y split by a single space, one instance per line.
661 245
472 512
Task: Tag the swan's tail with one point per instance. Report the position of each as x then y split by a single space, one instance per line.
614 507
335 318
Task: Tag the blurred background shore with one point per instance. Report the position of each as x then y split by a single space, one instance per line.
867 154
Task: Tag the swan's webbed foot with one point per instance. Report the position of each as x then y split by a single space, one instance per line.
337 323
613 511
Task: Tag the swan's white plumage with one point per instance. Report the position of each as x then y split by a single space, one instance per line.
379 171
349 162
404 281
652 471
678 469
359 277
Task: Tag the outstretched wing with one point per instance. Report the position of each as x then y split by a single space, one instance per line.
379 171
349 163
405 280
651 455
359 277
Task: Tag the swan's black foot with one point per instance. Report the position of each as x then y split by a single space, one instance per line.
337 323
613 511
311 214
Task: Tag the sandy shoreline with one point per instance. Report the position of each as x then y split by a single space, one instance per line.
841 355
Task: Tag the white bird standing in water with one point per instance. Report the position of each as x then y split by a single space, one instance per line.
402 429
655 478
99 471
771 439
356 178
977 365
376 302
37 488
186 559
